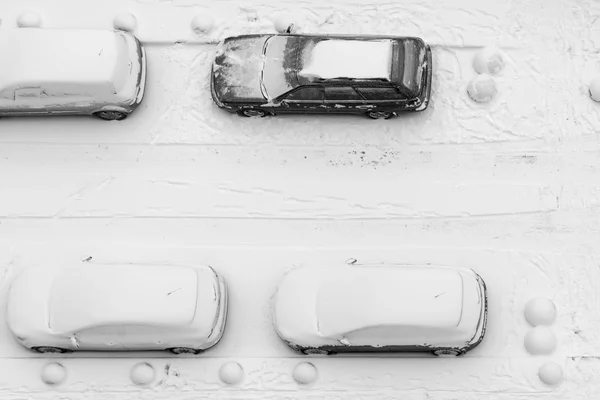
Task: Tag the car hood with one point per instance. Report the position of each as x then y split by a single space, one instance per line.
238 68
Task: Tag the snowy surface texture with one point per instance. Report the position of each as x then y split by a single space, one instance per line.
510 188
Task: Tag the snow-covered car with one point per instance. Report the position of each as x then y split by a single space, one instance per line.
378 76
439 310
70 72
117 308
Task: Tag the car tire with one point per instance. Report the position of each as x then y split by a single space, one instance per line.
111 115
379 114
446 352
50 349
252 112
184 350
318 352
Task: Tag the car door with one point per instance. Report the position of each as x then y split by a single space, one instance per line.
342 99
102 338
27 101
302 100
145 337
383 98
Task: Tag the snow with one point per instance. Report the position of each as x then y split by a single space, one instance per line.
125 22
540 311
135 295
488 60
53 373
354 300
482 88
540 340
344 58
231 373
551 373
75 61
509 188
305 373
142 374
594 89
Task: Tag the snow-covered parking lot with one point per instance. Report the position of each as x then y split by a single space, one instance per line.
509 188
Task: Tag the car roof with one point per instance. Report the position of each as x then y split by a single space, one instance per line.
413 297
86 59
332 58
107 295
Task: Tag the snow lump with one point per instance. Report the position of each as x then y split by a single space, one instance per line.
482 88
540 311
540 340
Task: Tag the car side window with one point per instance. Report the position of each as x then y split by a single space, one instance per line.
341 93
33 92
383 93
306 94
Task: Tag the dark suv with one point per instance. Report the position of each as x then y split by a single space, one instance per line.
258 75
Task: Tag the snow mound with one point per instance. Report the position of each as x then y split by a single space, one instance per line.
125 22
231 373
29 20
305 373
540 340
202 23
594 89
540 311
551 373
482 88
142 373
53 374
284 23
488 60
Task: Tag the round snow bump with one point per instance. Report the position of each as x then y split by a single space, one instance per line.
29 19
540 311
231 373
540 340
125 22
482 88
202 23
284 23
53 373
488 60
594 89
551 373
305 373
142 373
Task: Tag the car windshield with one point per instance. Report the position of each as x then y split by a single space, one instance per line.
283 58
408 71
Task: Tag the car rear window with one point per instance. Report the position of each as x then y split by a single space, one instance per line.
341 94
381 93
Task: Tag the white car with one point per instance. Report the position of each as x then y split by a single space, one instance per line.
381 309
70 72
117 308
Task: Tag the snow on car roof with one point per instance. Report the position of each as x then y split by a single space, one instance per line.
414 297
95 295
346 58
35 57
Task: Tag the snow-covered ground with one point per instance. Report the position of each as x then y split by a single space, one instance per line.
510 188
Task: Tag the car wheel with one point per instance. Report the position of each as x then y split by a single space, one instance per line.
252 112
184 350
379 114
111 115
49 349
319 352
446 352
